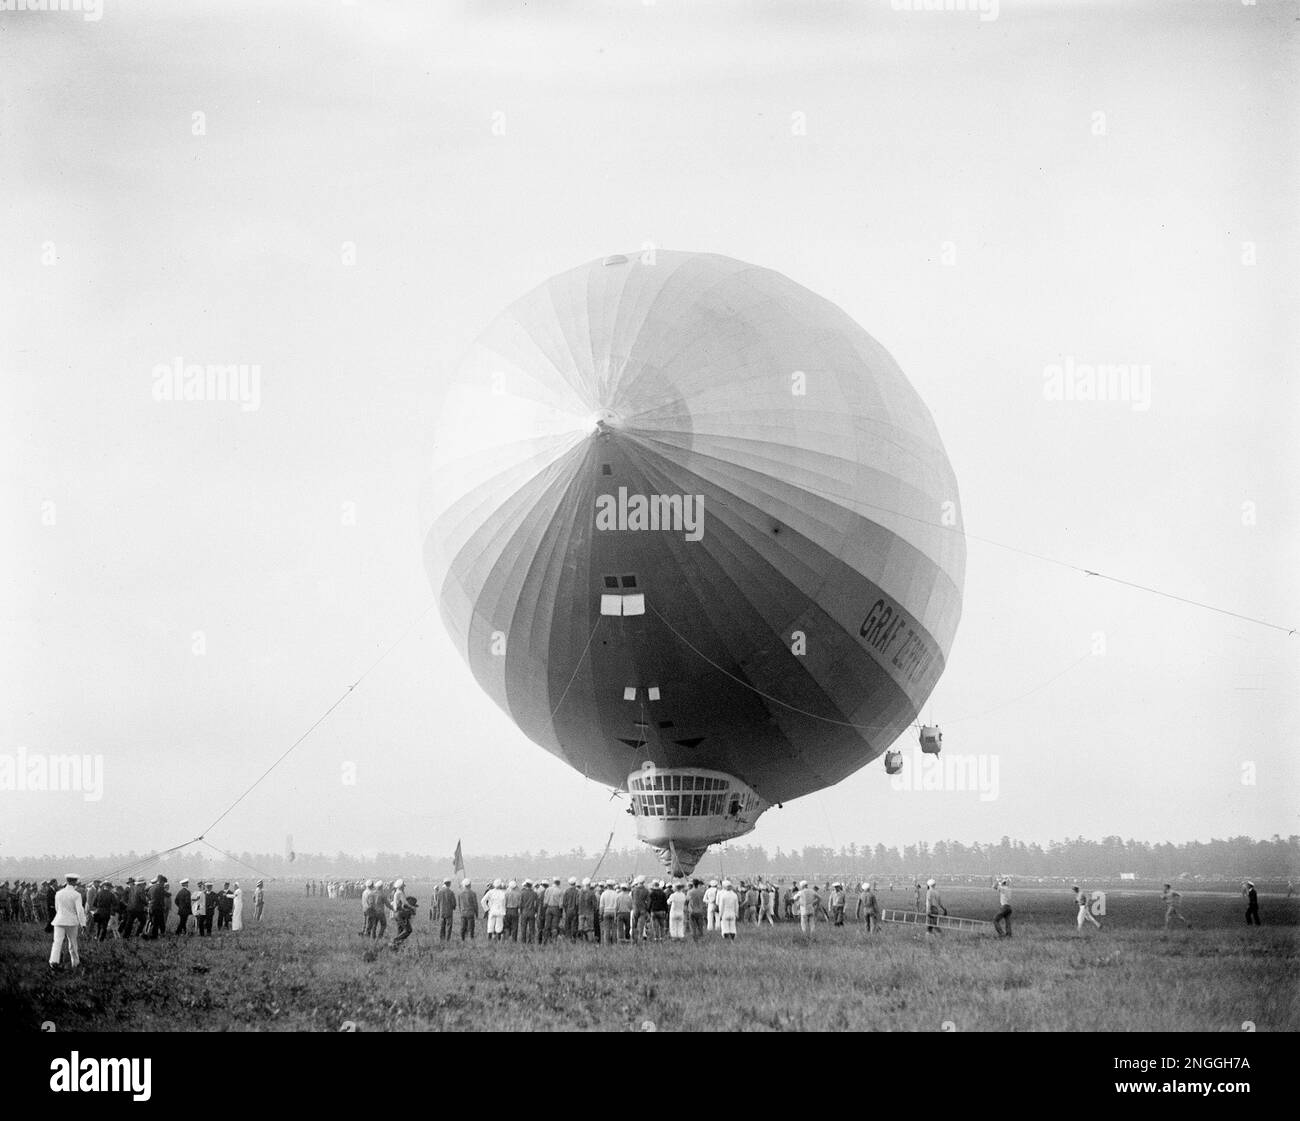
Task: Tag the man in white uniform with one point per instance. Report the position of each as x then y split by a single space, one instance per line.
69 917
711 905
728 903
494 907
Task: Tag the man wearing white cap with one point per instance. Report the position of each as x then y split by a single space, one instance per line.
933 906
728 903
808 901
69 917
184 904
494 907
711 905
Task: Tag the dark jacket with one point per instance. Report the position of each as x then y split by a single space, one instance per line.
183 904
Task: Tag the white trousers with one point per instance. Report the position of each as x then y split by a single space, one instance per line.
65 934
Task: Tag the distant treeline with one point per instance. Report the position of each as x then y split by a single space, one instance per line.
1075 857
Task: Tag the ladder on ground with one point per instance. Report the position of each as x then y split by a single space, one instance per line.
944 922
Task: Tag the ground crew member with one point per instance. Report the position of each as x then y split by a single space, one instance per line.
1172 899
528 905
553 905
933 906
1002 920
446 904
1085 915
467 905
1252 903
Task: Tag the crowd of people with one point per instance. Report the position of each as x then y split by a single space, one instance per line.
608 911
136 908
601 911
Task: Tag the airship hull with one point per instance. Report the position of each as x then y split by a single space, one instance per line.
691 516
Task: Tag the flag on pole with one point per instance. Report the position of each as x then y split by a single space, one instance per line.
458 861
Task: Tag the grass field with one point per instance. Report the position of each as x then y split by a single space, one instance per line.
306 968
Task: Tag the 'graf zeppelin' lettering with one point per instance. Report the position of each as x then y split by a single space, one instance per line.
890 634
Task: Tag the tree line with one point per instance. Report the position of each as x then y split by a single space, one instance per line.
1112 856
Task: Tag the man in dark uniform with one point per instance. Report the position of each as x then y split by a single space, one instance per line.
158 907
467 905
184 905
209 908
102 906
225 907
528 904
569 909
658 911
1252 903
137 905
446 907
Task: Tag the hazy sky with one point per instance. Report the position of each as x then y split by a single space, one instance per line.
188 585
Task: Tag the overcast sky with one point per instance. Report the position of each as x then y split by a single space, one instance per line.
186 587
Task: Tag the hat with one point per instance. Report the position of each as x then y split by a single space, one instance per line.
184 882
399 882
726 883
72 877
527 883
496 883
464 883
586 881
803 883
512 884
573 879
866 887
447 880
929 883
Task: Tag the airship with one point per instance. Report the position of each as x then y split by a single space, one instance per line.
694 531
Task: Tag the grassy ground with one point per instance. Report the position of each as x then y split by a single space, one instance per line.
306 968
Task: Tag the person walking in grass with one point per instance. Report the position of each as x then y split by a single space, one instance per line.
1172 900
933 908
1082 901
1252 903
869 908
259 900
1002 920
